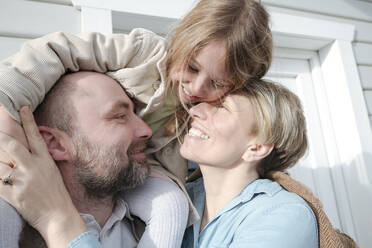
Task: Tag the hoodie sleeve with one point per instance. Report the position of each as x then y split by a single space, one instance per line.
133 59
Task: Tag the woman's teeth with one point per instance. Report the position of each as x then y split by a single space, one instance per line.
197 133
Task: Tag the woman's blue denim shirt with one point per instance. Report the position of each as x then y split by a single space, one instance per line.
264 215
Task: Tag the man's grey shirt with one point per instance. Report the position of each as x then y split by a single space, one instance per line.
117 232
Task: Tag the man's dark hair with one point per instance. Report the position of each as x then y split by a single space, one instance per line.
57 110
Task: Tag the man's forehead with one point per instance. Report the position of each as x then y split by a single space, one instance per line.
100 90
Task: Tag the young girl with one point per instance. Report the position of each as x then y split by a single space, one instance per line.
218 47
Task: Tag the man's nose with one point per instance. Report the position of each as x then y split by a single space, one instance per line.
141 129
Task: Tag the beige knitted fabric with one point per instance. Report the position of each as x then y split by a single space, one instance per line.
328 236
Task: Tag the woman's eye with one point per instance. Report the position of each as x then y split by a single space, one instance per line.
192 68
218 104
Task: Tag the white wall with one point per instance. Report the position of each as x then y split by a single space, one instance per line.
354 12
21 20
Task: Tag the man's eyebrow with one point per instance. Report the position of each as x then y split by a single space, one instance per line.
115 106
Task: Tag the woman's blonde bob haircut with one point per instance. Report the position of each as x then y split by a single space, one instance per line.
243 25
279 121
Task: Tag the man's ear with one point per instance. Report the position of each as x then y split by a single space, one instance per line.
58 143
257 152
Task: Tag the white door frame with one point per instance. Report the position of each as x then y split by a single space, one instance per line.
344 117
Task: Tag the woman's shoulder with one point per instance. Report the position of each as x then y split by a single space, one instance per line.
272 197
279 214
268 204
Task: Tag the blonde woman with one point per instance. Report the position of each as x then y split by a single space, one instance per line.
238 144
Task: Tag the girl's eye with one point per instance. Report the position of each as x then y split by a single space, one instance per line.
217 84
192 69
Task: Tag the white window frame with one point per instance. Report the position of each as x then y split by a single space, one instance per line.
342 110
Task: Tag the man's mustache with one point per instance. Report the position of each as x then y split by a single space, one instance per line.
137 147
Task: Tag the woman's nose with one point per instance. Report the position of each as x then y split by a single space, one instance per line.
198 111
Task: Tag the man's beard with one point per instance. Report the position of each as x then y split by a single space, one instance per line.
119 171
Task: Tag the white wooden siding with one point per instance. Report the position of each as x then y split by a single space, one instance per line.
363 53
8 45
358 10
365 73
62 2
22 20
33 19
368 96
358 13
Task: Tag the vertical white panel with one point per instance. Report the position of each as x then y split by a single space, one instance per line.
333 161
352 133
314 169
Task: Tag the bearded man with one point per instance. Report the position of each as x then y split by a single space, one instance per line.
97 141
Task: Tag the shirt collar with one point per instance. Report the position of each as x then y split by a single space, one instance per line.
259 186
120 211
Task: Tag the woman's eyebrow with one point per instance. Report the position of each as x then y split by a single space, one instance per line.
194 62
